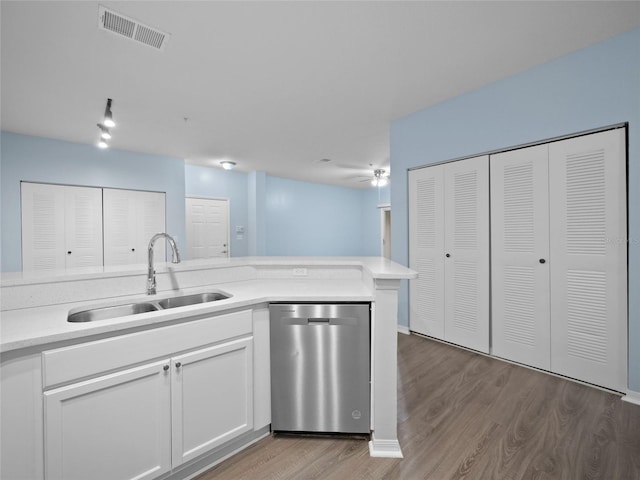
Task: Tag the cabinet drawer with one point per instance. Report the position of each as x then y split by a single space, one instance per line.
88 359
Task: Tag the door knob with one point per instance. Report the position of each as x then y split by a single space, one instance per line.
447 255
542 260
69 252
133 249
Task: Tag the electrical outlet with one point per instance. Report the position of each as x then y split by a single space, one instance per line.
299 272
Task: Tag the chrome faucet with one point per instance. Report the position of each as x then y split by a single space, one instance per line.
175 258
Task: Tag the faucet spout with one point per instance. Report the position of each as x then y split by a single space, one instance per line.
151 273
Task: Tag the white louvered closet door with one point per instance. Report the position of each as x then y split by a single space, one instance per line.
587 190
426 247
151 213
83 223
43 242
466 228
520 256
119 227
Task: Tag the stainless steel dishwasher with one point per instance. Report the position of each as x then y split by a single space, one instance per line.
320 368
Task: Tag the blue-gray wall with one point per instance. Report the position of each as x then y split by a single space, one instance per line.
591 88
38 159
304 218
280 217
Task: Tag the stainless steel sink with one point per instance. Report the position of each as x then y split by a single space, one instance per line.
104 313
194 299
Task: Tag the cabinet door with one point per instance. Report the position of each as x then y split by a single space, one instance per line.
588 251
113 427
520 256
43 245
83 226
212 397
466 271
426 250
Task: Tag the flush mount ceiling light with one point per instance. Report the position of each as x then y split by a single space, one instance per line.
108 116
227 165
380 178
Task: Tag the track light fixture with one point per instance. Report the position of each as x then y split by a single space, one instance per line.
107 123
108 116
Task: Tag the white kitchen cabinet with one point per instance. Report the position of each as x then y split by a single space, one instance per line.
559 257
131 218
117 426
61 226
212 397
112 421
449 247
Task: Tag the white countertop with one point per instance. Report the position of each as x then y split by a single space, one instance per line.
377 267
40 325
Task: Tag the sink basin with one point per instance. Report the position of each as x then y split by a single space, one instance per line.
115 311
194 299
104 313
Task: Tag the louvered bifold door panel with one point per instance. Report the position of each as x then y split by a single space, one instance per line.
43 246
120 246
520 256
587 188
466 199
151 219
83 221
426 247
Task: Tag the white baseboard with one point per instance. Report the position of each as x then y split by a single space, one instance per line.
404 330
632 397
384 448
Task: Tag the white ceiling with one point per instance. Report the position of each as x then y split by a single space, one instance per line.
274 86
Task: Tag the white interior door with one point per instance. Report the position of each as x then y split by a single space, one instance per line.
207 227
466 246
426 247
587 188
520 256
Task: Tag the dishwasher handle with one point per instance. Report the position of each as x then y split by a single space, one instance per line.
347 321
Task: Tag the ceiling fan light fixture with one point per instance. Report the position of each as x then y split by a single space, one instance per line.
228 165
379 178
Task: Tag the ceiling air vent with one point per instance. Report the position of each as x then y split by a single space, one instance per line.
128 27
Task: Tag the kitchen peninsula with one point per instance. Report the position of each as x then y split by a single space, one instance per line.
154 362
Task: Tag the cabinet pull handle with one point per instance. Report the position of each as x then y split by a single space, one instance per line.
178 364
447 255
165 368
542 260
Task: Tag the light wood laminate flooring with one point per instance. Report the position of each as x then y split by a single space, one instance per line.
462 415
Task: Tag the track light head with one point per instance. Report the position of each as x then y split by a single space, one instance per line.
108 116
104 132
